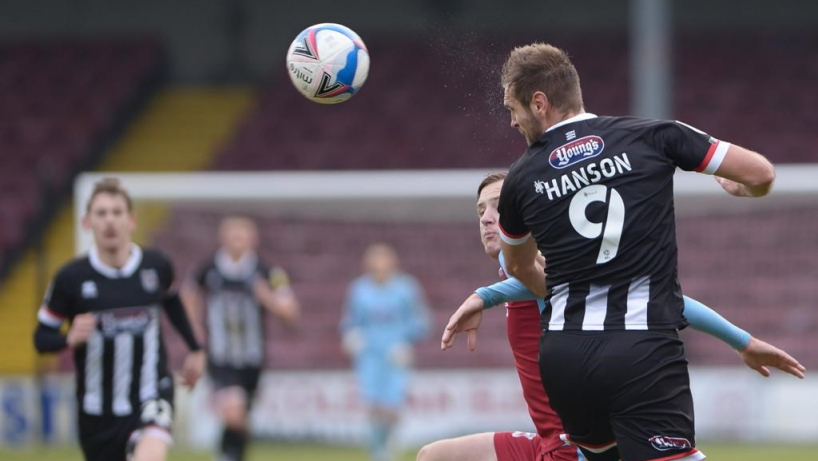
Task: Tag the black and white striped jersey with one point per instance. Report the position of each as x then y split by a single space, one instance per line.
123 363
597 195
235 318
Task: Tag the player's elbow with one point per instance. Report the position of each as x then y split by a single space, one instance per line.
513 268
761 181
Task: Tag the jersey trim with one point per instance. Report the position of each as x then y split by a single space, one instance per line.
715 155
244 267
513 239
601 448
692 455
49 318
133 262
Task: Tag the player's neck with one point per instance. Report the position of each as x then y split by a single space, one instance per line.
553 118
115 257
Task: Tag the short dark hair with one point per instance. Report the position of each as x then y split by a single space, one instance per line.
546 68
491 178
109 186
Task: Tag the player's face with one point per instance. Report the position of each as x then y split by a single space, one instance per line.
238 236
489 218
522 117
380 262
110 221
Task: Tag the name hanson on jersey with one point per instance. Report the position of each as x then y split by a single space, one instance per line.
584 176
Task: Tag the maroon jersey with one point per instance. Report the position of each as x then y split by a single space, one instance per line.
523 324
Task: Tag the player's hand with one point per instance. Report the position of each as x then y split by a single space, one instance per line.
467 319
353 342
193 368
81 328
733 188
759 355
401 355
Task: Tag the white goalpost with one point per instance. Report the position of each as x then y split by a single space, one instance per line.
389 185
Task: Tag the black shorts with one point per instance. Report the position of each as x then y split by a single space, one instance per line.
621 393
106 438
245 378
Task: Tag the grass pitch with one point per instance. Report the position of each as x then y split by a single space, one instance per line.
287 452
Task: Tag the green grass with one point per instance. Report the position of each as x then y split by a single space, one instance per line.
285 452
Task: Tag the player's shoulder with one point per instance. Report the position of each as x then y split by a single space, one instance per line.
407 279
76 268
262 267
627 123
154 257
207 264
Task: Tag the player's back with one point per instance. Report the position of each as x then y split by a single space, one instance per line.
597 195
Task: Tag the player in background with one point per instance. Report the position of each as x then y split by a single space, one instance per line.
385 314
596 195
232 290
522 315
112 298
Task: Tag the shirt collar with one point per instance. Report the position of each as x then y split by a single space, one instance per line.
245 265
574 119
134 259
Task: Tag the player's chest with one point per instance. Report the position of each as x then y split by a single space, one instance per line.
98 293
382 306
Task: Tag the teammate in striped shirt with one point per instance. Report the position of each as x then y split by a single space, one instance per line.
112 299
522 316
233 290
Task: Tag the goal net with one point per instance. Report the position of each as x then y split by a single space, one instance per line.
754 261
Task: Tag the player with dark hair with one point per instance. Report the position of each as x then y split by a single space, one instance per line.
112 298
522 314
234 289
596 194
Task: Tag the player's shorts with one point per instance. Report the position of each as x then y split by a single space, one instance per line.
230 379
380 382
528 446
621 393
113 438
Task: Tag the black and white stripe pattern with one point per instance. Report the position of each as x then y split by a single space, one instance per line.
120 367
592 307
235 327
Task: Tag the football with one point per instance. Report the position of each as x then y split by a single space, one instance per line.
328 63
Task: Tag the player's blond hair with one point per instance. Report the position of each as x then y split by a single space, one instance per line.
110 186
546 68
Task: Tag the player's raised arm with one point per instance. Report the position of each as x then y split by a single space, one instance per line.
755 353
744 173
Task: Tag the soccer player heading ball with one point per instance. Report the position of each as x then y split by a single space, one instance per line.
596 195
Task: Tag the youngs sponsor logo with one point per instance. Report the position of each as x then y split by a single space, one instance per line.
576 151
663 443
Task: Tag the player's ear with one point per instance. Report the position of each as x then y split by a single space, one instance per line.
86 224
539 103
